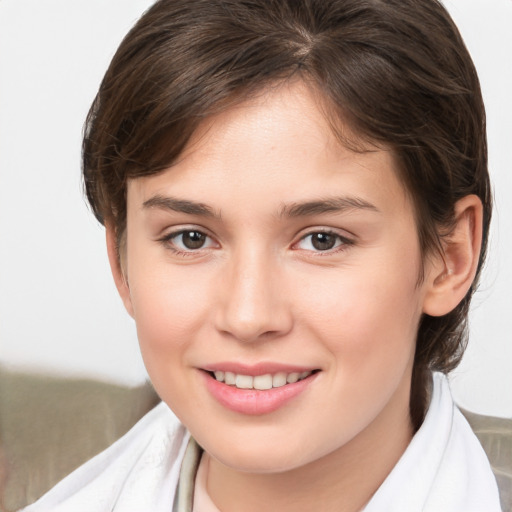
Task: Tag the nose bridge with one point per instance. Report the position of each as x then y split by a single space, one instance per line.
252 301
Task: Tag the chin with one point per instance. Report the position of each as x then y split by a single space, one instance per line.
264 454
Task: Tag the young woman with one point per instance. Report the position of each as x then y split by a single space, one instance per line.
296 201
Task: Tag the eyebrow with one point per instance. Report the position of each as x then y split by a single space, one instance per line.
180 205
328 205
309 208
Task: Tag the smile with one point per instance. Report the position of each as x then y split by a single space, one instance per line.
260 382
265 391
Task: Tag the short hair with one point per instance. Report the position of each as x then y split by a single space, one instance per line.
396 71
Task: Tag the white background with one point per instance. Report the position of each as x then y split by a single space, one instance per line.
59 312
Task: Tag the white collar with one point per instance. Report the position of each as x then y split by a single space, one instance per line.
444 468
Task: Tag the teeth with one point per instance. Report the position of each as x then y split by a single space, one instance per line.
292 377
263 382
229 378
279 379
260 382
244 382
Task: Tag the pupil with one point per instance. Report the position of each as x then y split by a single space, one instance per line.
193 239
323 241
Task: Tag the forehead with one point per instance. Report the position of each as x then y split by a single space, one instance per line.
278 145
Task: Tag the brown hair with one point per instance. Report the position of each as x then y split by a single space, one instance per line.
397 70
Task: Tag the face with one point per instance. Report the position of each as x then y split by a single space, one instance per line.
273 277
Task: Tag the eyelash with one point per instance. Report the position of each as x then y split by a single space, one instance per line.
343 243
168 241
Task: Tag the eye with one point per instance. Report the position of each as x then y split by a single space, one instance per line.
322 241
189 240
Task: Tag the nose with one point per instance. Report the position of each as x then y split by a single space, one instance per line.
253 304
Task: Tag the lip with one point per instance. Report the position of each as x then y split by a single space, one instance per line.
251 401
256 369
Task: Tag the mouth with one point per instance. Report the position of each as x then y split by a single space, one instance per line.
260 382
258 394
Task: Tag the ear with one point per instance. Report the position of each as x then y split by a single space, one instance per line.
452 273
118 272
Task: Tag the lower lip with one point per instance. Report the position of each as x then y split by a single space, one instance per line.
252 401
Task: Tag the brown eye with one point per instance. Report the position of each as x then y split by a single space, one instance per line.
323 241
192 239
188 241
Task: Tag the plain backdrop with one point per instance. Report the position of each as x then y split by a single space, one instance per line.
59 311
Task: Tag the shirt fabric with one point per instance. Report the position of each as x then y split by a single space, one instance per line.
154 467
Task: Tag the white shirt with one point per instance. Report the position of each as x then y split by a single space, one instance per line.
444 469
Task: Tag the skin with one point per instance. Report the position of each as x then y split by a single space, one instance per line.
259 291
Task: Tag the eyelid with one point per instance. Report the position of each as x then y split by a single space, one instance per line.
346 241
167 239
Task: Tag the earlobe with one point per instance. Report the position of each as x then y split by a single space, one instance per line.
452 274
118 273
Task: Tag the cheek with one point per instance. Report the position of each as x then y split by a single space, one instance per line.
168 307
366 317
368 324
169 313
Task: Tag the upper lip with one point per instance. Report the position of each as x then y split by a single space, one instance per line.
254 370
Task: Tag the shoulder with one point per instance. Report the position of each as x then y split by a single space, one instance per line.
443 468
495 436
464 479
138 472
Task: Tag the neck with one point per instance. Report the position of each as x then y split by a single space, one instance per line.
342 481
